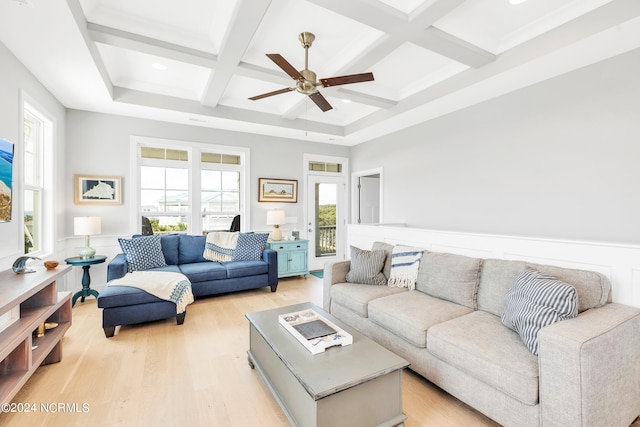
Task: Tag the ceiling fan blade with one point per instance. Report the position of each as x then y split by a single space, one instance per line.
345 80
275 92
286 67
320 101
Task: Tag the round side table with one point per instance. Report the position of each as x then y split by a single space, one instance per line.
86 264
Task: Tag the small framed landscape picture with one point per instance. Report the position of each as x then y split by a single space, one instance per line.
278 190
98 190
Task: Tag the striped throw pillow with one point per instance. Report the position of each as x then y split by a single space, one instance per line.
366 267
537 300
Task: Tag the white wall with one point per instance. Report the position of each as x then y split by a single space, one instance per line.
14 79
558 159
98 144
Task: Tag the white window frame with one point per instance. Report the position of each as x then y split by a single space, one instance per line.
45 171
194 165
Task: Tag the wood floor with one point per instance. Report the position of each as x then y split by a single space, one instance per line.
161 374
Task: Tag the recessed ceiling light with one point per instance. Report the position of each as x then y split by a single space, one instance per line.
25 3
516 1
159 66
346 101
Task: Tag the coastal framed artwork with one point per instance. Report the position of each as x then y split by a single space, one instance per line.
6 179
277 190
98 190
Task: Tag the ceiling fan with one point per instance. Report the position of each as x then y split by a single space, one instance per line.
306 81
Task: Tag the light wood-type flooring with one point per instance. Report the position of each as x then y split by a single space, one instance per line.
161 374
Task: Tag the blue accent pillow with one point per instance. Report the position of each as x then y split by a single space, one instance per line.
250 246
143 253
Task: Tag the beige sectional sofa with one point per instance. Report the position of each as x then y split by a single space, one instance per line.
587 371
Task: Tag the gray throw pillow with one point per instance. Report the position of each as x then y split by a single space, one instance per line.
537 300
366 267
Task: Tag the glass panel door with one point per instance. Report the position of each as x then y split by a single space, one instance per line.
325 220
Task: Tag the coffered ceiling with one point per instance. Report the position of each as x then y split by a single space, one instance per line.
198 61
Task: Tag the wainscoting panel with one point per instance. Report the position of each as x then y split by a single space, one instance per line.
619 262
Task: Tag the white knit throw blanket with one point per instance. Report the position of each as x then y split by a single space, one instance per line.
220 245
166 285
405 262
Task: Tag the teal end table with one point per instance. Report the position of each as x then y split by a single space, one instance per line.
86 264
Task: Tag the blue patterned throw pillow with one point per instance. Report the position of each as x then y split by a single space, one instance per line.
143 253
250 246
537 300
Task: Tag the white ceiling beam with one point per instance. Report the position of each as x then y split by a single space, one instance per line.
170 103
81 23
608 17
386 19
126 40
245 21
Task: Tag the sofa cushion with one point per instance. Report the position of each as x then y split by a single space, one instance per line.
143 253
170 244
410 314
191 248
366 267
356 296
479 345
121 296
537 300
204 271
593 289
388 249
450 277
245 268
496 278
250 246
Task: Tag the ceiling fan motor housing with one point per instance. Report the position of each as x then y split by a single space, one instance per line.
308 85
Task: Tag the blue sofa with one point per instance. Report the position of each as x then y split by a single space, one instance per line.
183 253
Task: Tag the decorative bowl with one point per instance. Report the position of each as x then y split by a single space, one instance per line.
50 265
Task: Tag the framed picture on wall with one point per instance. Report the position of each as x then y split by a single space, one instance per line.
6 179
98 190
277 190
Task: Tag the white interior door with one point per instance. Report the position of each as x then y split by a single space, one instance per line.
326 213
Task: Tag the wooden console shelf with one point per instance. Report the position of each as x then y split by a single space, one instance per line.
26 301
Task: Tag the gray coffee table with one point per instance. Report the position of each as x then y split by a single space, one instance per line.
356 385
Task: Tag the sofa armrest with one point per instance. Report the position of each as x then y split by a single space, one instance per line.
334 272
117 267
270 256
590 368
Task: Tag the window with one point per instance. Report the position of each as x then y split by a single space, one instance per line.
164 188
220 190
37 142
190 187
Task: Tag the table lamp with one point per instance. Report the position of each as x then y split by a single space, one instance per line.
86 226
276 218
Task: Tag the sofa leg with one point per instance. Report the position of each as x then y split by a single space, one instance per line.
110 331
273 288
180 317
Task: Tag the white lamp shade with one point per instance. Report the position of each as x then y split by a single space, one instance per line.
86 225
276 217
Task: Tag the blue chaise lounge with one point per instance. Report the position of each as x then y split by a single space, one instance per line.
182 253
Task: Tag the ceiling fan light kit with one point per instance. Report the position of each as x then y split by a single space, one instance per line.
306 80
